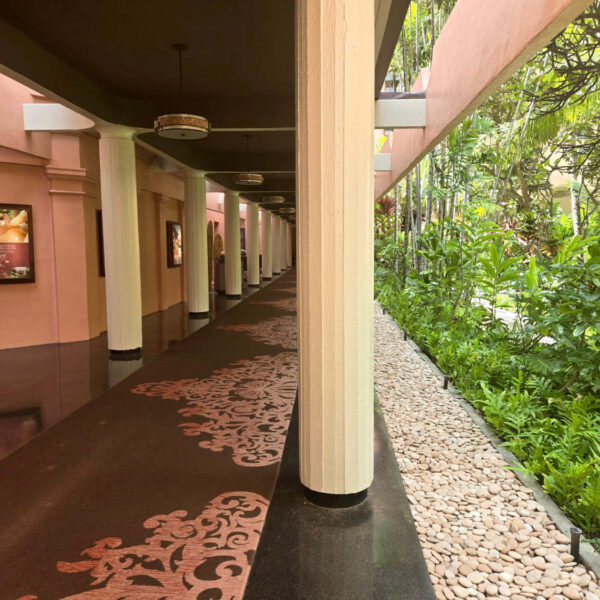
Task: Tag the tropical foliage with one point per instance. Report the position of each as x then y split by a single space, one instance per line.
488 255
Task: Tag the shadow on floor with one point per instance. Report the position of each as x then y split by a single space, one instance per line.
44 384
369 552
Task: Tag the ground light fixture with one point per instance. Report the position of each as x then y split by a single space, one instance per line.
181 126
248 178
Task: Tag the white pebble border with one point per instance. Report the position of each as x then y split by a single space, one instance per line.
482 532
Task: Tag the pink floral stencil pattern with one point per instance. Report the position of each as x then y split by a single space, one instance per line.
205 557
245 407
280 331
287 304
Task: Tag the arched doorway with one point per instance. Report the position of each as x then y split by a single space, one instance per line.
219 264
209 253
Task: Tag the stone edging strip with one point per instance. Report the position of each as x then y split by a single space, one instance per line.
589 557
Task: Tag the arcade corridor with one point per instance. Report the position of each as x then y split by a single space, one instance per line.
160 487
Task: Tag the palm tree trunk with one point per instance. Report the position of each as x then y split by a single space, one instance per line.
575 203
396 193
419 216
407 223
432 8
430 184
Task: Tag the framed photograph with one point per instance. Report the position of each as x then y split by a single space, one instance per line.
174 244
16 244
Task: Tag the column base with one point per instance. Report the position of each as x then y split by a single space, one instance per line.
334 500
134 354
267 278
199 315
233 296
276 272
254 285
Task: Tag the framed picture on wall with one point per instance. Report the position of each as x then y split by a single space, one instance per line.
16 244
100 238
174 244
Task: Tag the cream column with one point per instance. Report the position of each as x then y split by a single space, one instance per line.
275 245
267 251
334 149
288 253
283 250
121 241
195 244
233 260
252 245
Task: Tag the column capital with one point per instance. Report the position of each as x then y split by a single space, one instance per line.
113 130
194 174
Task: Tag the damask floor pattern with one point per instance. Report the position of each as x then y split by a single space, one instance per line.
159 488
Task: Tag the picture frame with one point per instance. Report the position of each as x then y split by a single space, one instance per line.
17 262
174 244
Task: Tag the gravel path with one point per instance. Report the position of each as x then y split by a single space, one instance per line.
483 534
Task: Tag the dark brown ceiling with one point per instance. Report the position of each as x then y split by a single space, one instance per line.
113 59
238 52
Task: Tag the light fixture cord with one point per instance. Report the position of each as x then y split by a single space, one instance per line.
247 152
179 50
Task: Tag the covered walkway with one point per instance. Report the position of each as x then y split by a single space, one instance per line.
163 487
69 375
159 488
179 483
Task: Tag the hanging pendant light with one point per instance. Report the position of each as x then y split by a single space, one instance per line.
287 210
180 126
248 178
273 199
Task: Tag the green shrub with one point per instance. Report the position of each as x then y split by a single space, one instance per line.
539 395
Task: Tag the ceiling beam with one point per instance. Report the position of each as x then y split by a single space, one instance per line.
406 113
53 117
382 162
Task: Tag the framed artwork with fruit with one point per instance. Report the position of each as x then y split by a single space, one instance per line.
16 244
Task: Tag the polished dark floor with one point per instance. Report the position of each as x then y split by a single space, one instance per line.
141 449
369 552
159 488
44 384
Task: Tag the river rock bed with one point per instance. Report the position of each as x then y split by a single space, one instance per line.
482 532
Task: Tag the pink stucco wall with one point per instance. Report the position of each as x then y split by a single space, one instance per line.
58 174
28 312
480 47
